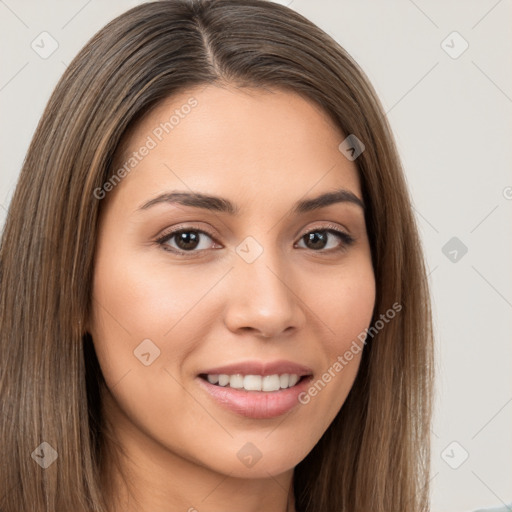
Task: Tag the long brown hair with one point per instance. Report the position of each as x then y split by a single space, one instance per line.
375 455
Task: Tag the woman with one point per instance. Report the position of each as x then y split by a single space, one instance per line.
213 292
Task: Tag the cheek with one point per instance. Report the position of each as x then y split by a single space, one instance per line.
143 327
134 300
345 304
354 312
131 305
345 308
147 319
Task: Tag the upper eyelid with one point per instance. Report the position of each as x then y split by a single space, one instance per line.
192 227
169 234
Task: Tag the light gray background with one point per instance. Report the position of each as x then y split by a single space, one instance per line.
451 119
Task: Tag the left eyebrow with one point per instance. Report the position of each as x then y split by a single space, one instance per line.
222 205
321 201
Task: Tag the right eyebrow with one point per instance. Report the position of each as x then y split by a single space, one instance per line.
194 199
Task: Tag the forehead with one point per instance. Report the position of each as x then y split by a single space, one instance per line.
247 142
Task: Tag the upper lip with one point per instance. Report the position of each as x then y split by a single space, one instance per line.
260 368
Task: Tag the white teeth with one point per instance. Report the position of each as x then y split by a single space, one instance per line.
252 382
213 379
223 379
236 381
255 382
293 380
270 383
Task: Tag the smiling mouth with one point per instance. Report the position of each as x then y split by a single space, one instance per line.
267 383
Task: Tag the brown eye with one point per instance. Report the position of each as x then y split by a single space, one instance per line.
186 240
316 240
326 239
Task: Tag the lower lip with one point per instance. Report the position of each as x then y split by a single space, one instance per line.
256 404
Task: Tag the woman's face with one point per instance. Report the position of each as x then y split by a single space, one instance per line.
261 284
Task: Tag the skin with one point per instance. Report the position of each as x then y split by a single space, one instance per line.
263 150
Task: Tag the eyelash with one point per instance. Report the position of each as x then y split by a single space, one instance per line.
345 238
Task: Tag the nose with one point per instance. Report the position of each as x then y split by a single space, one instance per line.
264 298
